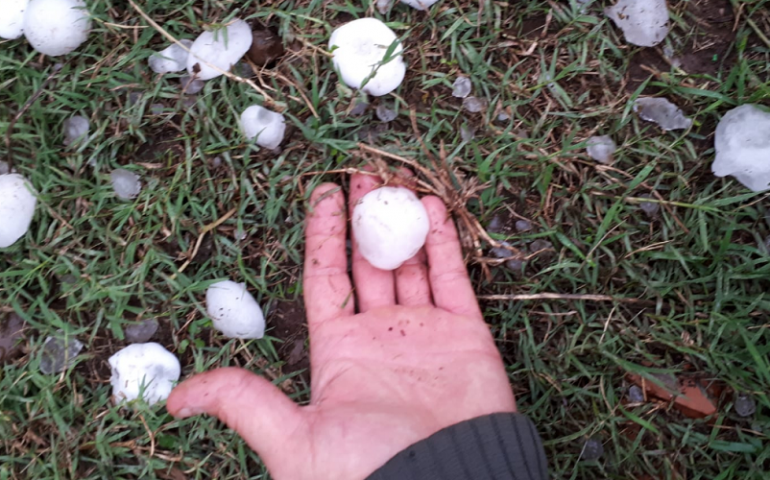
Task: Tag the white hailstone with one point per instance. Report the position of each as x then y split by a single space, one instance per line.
59 353
145 369
17 206
221 48
12 18
126 184
390 226
419 4
56 27
742 144
171 59
474 104
358 49
601 148
267 126
467 133
659 110
234 311
644 22
461 87
75 128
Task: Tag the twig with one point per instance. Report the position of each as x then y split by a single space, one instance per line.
268 99
23 109
204 231
567 296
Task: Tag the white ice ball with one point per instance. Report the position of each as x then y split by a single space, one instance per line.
644 22
234 311
742 144
12 18
267 126
56 27
390 226
221 48
171 59
358 47
17 206
147 365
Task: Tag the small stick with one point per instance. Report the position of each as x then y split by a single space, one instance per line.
204 231
567 296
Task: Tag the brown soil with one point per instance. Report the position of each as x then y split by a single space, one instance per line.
289 326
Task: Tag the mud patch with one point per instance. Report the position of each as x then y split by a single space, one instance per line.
288 321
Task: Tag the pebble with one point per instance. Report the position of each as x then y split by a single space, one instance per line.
385 114
745 406
592 450
649 208
474 104
635 394
59 354
523 226
141 332
190 87
461 88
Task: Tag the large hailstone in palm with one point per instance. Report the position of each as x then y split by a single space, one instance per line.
644 22
390 226
267 126
358 50
234 311
146 368
221 48
12 18
17 206
56 27
742 144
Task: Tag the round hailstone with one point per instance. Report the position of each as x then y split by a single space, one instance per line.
56 27
143 368
171 59
126 184
221 48
644 22
12 18
742 143
17 206
75 128
234 311
390 226
267 126
358 49
601 148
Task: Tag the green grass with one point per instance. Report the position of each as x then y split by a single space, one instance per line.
702 259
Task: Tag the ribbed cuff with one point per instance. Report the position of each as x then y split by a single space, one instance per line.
501 446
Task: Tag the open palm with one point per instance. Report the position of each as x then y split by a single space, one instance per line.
416 359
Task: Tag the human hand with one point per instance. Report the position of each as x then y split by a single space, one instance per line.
416 359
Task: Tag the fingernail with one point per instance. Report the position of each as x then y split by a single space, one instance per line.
187 412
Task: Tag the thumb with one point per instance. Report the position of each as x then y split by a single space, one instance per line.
252 406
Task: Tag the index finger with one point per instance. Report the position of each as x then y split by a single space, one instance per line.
449 281
326 285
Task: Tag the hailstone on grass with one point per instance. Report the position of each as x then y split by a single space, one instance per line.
644 22
601 148
59 353
221 48
171 59
56 27
358 51
742 144
390 226
659 110
126 184
17 206
267 126
12 18
461 87
234 311
145 369
75 128
384 5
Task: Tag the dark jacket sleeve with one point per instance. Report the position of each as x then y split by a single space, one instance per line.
500 446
